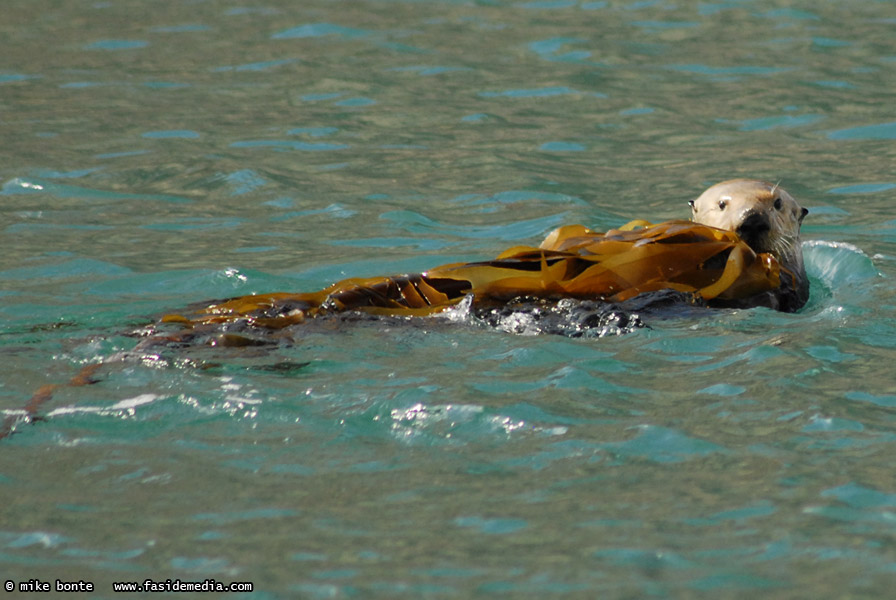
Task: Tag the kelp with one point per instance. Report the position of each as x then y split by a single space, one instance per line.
572 262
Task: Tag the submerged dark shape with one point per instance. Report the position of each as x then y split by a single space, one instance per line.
584 318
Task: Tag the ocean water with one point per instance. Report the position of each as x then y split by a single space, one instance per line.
157 154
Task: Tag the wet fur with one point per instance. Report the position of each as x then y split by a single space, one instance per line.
769 220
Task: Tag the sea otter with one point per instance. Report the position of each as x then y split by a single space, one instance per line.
745 236
768 219
741 250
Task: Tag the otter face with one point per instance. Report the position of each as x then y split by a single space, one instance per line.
766 217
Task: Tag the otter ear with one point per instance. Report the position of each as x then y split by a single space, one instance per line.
803 213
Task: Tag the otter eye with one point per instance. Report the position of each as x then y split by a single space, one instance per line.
723 204
777 204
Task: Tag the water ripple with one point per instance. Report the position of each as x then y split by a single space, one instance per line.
878 131
416 223
257 66
29 185
312 30
662 445
727 73
115 45
546 92
550 49
778 122
290 145
863 188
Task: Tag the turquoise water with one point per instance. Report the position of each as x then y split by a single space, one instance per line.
158 154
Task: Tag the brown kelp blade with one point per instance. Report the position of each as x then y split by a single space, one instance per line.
573 262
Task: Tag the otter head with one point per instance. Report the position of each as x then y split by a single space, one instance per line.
766 217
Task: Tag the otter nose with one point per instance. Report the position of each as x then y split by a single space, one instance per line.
753 223
752 230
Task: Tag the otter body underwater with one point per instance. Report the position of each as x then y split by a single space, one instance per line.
740 250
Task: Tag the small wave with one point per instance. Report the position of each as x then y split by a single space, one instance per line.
418 223
314 30
31 185
836 270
